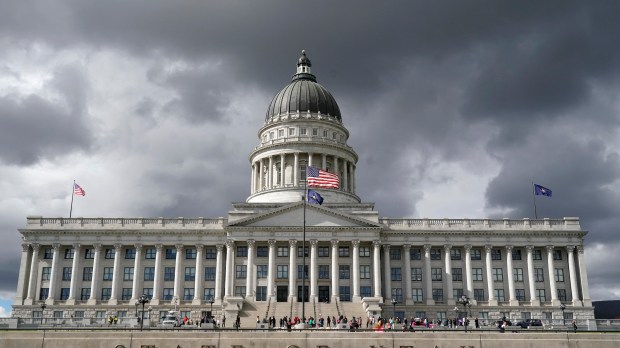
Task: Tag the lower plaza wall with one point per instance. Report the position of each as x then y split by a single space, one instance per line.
310 339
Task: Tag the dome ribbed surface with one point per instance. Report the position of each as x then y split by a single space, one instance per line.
303 94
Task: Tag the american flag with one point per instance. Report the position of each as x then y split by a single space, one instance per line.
78 190
320 178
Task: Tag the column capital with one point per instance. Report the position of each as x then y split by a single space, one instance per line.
179 247
447 247
25 247
219 247
56 246
334 243
376 243
138 246
292 243
467 247
77 246
386 247
509 249
118 247
570 248
488 248
580 249
159 247
251 243
35 247
549 248
313 242
529 248
229 243
356 243
97 247
272 243
427 248
407 247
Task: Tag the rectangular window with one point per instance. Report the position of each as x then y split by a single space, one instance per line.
518 274
64 294
148 292
280 133
128 273
106 293
394 254
395 274
559 275
240 291
343 251
283 251
435 254
168 273
149 273
171 253
190 254
325 133
397 294
241 271
281 271
499 295
89 253
416 274
291 131
364 272
537 255
457 274
416 295
188 294
109 254
43 294
242 251
48 253
365 291
476 274
562 295
479 294
496 254
455 254
415 254
46 272
315 131
539 275
85 294
457 293
130 253
261 271
300 253
210 253
150 253
262 251
302 272
126 294
345 293
557 254
364 251
323 271
438 295
498 275
69 253
168 294
87 273
323 251
344 272
520 294
476 255
436 274
208 294
540 295
190 274
108 273
209 274
303 131
516 254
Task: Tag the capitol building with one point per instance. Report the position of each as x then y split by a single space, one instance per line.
276 255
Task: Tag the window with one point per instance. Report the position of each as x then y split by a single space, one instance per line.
272 135
149 273
282 271
302 272
210 253
69 253
188 294
455 254
148 292
150 253
262 251
343 251
397 294
283 251
208 294
190 274
559 275
416 295
539 275
46 273
365 291
540 295
364 251
496 254
520 294
171 253
476 274
557 254
300 254
436 274
281 133
518 274
241 271
394 254
240 291
537 255
364 272
479 294
106 293
209 274
562 295
323 271
130 253
334 135
168 294
109 254
169 273
89 253
291 131
325 133
190 254
396 274
345 293
315 131
87 273
415 254
435 254
457 274
303 131
323 251
108 273
438 295
416 274
499 295
516 254
476 255
242 251
457 293
64 294
498 275
126 294
85 294
128 273
43 294
48 253
261 271
344 271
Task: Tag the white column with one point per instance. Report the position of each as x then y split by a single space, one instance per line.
296 173
200 274
356 270
469 291
573 276
313 270
261 177
336 168
178 273
585 291
94 283
270 173
292 273
345 174
353 190
335 269
512 298
34 272
271 272
253 179
324 161
310 160
228 280
218 272
426 277
116 276
407 274
387 275
490 285
21 279
75 273
54 276
282 167
534 302
552 285
136 291
376 265
249 285
448 275
157 280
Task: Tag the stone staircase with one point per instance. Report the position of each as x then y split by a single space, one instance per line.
351 309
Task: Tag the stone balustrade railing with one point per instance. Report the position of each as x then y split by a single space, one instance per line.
567 223
45 222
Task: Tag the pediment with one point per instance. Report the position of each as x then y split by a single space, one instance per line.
293 216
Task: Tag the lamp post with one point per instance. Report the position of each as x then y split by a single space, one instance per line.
464 300
143 300
211 303
394 302
563 307
43 311
456 316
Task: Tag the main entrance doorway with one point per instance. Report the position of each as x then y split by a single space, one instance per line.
282 293
324 293
299 294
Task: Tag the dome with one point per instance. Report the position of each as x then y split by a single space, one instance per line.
303 94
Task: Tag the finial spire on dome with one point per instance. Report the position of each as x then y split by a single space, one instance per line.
303 68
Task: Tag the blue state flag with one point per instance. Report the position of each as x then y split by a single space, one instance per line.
314 197
541 191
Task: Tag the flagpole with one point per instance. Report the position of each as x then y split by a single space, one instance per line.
534 199
72 194
303 248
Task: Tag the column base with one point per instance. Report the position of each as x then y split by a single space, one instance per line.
154 302
28 302
513 303
430 302
196 302
555 302
70 302
49 302
587 303
492 302
535 303
18 301
292 298
577 303
91 301
113 302
451 302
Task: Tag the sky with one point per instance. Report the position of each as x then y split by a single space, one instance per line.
454 108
